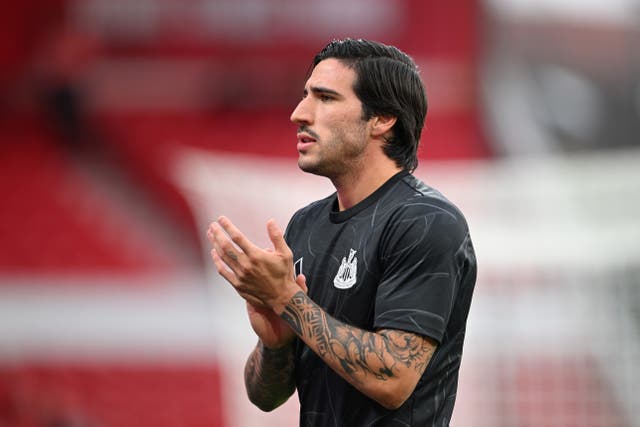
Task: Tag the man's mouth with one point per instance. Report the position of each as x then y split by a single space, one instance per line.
305 138
305 141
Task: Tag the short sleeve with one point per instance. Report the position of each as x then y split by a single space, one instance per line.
291 226
420 254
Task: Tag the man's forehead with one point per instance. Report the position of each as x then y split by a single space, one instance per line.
331 73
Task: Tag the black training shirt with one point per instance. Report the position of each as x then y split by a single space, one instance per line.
400 259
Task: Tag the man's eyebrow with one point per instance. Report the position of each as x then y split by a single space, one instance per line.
323 91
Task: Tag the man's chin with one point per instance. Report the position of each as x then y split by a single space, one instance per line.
309 167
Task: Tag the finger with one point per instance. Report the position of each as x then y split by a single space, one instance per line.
228 257
225 247
210 235
230 277
301 280
236 235
277 237
222 268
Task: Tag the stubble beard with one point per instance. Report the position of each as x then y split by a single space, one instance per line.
338 156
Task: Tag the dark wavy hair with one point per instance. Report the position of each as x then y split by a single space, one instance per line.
388 84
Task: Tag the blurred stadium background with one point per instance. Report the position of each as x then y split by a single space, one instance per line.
126 126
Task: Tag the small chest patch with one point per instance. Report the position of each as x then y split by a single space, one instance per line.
347 273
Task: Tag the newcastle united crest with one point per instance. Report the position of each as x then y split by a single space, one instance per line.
346 276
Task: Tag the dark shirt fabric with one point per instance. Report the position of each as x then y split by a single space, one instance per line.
400 259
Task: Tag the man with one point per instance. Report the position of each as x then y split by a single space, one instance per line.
368 323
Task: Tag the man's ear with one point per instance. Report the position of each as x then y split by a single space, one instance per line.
381 125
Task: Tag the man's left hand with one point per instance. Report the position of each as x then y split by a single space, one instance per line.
261 276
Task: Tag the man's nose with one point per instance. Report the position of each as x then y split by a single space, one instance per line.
302 113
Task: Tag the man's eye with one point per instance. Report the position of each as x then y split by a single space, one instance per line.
325 98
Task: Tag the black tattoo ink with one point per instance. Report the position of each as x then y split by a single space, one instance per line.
358 353
268 376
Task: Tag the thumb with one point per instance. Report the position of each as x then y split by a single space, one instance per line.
301 280
276 236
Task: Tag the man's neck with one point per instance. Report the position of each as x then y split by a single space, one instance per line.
357 185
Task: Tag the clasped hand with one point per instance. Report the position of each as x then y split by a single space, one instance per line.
263 277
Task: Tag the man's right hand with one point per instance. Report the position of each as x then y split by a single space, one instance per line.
270 328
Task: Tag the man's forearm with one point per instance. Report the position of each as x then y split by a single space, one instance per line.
268 376
384 365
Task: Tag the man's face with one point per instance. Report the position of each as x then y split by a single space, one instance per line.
332 135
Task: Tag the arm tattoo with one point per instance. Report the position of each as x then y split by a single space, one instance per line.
268 376
357 353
